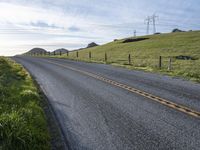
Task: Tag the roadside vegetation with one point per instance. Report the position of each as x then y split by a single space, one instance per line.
145 54
23 124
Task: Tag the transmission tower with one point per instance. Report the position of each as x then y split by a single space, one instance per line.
147 21
154 17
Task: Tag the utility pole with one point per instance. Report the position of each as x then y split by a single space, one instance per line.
135 33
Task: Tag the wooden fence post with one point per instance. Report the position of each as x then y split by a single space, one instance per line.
170 64
77 54
54 53
90 55
129 59
67 53
160 62
106 57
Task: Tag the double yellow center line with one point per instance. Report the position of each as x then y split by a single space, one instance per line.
162 101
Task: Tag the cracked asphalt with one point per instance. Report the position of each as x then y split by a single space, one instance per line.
95 115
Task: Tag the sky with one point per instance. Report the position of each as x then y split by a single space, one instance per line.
72 24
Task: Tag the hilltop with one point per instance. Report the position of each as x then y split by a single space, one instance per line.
37 51
62 50
93 44
43 51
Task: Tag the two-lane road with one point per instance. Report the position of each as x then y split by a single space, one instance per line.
107 108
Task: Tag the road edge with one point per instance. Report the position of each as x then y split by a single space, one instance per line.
58 140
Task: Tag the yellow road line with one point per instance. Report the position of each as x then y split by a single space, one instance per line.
162 101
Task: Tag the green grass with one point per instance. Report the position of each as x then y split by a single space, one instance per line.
145 54
22 121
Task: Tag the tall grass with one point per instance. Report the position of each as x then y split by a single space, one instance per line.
22 121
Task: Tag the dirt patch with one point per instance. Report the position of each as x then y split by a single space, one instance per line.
181 57
134 40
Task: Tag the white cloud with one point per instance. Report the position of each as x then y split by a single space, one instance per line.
17 21
25 23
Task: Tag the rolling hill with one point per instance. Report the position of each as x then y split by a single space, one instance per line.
62 50
145 52
37 51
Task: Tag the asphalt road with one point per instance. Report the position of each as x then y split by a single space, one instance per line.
96 115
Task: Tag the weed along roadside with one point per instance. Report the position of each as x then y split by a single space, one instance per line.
23 123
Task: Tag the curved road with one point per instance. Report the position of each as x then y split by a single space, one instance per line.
96 113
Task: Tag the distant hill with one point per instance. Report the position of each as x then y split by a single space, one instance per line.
93 44
62 50
177 30
37 51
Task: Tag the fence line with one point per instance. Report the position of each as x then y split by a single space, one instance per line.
159 62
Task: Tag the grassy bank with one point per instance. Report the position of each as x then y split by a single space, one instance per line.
22 121
145 54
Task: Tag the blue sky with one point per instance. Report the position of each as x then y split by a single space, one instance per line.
72 24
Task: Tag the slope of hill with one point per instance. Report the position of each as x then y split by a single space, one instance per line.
146 50
93 44
37 51
62 50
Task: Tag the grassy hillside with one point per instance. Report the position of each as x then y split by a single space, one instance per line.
145 54
22 121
